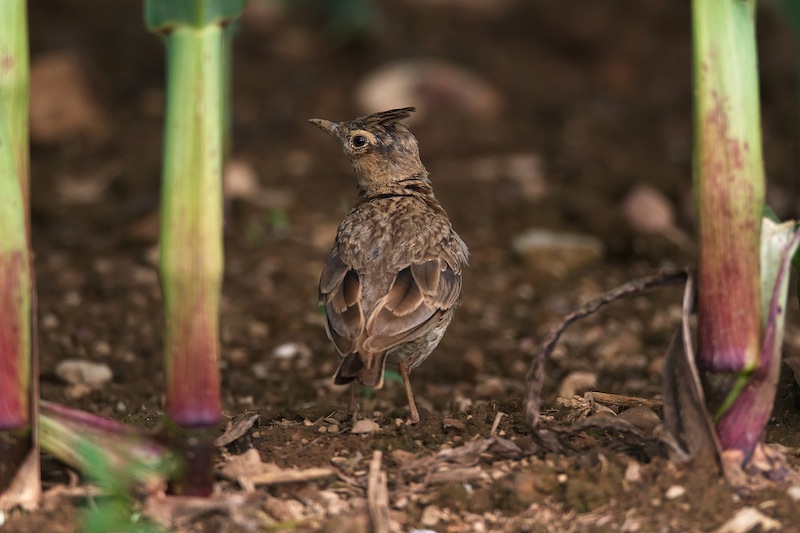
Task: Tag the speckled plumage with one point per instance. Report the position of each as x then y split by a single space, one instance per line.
392 280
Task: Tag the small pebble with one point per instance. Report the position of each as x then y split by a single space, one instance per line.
576 383
239 180
453 424
258 330
631 525
78 391
260 370
474 357
237 357
81 372
102 348
290 350
552 255
794 492
642 417
633 472
648 210
674 492
283 509
490 388
365 426
402 457
72 299
63 106
431 516
334 505
49 321
401 503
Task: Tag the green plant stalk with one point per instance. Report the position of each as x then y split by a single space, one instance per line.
191 252
191 226
729 194
17 436
14 83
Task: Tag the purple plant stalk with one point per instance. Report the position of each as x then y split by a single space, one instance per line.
15 411
191 251
729 197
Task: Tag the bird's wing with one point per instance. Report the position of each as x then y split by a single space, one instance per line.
418 298
340 293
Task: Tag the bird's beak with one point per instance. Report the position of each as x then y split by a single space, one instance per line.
327 126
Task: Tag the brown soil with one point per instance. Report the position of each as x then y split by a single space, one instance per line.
599 93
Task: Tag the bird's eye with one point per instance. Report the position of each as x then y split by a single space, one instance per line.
359 141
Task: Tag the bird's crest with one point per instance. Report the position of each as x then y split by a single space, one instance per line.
385 118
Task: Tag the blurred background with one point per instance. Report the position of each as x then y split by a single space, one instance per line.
558 137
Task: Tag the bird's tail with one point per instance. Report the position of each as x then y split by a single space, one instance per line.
366 368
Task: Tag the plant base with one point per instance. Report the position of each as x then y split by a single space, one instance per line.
195 448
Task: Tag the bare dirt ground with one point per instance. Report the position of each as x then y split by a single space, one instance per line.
572 108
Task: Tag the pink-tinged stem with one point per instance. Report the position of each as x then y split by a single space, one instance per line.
14 366
192 340
729 185
16 437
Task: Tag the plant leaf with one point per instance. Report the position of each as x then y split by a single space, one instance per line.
686 416
742 424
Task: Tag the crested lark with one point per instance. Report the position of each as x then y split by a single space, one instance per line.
392 281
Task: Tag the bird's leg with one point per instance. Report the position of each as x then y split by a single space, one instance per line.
353 406
405 369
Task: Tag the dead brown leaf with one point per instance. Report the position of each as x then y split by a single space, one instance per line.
236 429
179 511
249 471
25 489
378 494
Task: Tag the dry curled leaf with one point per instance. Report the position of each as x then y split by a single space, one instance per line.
236 429
249 471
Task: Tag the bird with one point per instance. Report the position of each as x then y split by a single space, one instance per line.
393 278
